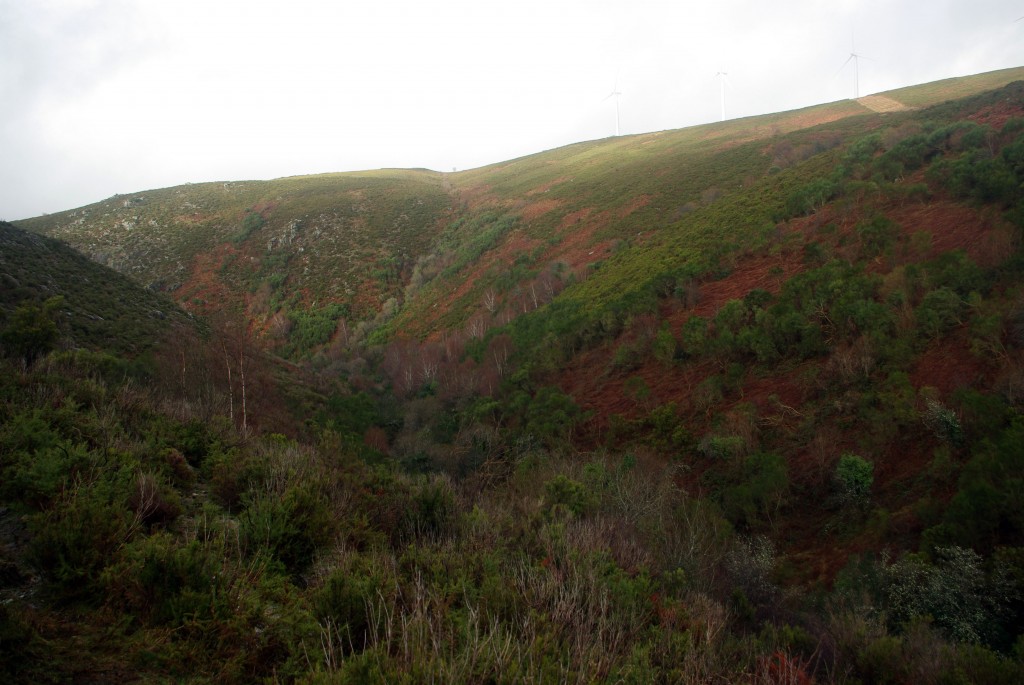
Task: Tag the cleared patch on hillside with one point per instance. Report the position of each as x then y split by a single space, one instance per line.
997 115
952 226
535 210
203 290
545 187
882 104
948 366
765 272
577 247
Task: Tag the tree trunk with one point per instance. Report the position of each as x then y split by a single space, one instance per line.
231 389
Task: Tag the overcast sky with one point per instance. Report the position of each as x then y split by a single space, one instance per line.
99 97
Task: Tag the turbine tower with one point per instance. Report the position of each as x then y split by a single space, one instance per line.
721 77
856 68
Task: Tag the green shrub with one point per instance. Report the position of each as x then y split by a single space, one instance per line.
252 222
561 492
75 540
987 511
978 664
956 271
31 330
664 346
939 311
172 582
628 356
853 478
343 601
22 649
432 511
877 236
548 415
722 446
694 336
859 157
907 155
960 599
313 327
883 661
762 487
38 477
290 528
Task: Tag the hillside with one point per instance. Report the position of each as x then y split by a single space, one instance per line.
738 403
101 309
289 253
301 255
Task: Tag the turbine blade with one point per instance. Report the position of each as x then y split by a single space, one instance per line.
840 69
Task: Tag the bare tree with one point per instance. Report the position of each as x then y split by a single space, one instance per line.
429 362
237 348
475 327
500 349
490 300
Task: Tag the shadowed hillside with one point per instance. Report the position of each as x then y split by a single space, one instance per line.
100 308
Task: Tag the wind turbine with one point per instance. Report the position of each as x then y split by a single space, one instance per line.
721 77
856 68
615 94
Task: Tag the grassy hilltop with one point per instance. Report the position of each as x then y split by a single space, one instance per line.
741 402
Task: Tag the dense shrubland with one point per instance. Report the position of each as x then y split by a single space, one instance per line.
139 546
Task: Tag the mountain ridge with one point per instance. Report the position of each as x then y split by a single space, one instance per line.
203 221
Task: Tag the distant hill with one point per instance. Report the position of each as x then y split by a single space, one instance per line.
266 246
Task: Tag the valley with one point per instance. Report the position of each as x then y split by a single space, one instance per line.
740 402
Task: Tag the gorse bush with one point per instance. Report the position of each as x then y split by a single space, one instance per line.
252 222
564 493
31 330
290 527
853 478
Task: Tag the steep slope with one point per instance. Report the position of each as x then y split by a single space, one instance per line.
335 245
670 195
102 309
858 324
851 290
